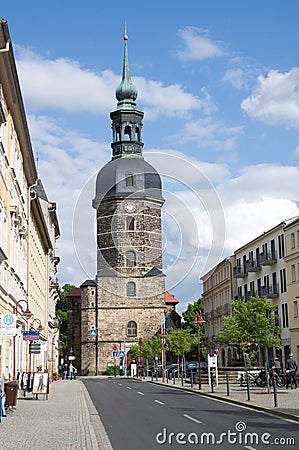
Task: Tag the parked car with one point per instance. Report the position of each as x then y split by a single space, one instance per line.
193 367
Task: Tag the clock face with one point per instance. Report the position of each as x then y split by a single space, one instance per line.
130 207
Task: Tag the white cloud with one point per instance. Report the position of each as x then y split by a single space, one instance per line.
197 45
206 132
275 100
64 85
236 78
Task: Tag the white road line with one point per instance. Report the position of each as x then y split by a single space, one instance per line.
120 384
141 393
158 401
191 418
249 448
128 387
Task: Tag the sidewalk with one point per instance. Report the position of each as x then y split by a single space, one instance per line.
67 420
260 399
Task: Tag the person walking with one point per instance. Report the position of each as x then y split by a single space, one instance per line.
64 371
277 365
72 370
291 369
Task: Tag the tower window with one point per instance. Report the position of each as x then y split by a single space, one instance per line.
130 223
130 259
131 289
132 328
129 180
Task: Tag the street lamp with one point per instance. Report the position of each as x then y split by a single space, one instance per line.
198 320
140 343
163 336
27 314
39 328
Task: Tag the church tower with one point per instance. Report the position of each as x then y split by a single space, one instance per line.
129 299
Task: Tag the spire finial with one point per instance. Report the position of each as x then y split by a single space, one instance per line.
126 93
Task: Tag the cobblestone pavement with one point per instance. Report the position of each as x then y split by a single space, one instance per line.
67 420
287 401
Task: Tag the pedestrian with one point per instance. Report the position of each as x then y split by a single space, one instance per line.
72 370
277 364
64 371
291 369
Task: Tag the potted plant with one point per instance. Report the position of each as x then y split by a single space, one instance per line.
55 376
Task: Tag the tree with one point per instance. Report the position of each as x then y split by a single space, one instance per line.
252 326
61 312
188 323
180 341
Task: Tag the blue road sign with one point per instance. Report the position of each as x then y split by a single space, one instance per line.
121 353
92 332
115 354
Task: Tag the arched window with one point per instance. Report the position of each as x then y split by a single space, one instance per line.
131 289
127 133
132 328
130 223
130 259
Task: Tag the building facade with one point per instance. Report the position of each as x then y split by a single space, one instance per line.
28 230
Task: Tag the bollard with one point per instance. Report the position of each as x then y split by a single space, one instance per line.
212 383
227 384
182 379
156 375
274 389
248 387
192 378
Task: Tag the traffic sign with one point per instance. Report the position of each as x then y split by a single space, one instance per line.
8 324
34 348
93 332
115 354
31 335
122 353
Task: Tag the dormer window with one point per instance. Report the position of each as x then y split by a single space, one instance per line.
129 179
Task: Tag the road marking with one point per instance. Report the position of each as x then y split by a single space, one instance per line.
249 448
158 401
141 393
120 384
128 387
191 418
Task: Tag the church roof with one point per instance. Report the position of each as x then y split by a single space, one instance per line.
170 299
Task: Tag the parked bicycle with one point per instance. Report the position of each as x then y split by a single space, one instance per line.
260 379
253 378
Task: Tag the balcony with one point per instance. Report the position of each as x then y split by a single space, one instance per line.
268 258
269 291
240 272
253 265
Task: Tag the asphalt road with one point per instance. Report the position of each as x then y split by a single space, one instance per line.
145 416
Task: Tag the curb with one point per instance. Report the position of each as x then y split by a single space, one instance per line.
229 400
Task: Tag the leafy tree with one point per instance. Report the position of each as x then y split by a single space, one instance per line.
188 323
252 326
180 341
61 312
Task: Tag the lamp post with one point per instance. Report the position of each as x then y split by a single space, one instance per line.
163 336
140 343
27 314
198 320
39 328
114 355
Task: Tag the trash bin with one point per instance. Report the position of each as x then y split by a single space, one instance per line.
11 391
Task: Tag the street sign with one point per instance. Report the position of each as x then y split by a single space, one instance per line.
34 348
72 358
93 332
31 335
8 324
121 353
115 354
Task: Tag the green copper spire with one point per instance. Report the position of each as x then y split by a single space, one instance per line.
126 93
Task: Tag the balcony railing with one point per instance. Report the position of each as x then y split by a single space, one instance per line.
269 291
253 265
240 272
268 258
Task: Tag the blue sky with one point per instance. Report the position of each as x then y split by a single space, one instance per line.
219 84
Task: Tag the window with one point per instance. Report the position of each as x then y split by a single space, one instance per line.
130 259
285 315
295 308
292 240
129 179
132 328
130 223
281 246
293 273
283 280
131 289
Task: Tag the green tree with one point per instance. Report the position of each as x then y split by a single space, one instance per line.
180 341
188 323
252 326
61 312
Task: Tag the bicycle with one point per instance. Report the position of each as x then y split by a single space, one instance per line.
280 379
253 379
